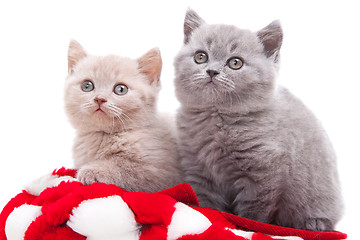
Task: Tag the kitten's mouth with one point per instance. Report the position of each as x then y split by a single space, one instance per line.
211 83
99 110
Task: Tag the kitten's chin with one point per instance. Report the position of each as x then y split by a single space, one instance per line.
210 100
97 121
101 116
211 85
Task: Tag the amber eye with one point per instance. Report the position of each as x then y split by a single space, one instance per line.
121 89
201 57
235 63
87 86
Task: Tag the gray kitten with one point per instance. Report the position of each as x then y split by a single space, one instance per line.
248 146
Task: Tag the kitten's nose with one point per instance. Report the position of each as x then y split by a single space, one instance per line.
212 73
100 100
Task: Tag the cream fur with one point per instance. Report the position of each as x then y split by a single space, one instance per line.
127 143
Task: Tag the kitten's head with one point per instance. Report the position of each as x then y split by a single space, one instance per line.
109 93
226 67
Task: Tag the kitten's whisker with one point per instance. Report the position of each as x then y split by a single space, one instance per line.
198 75
122 117
230 98
113 125
121 121
86 105
126 116
226 82
114 112
201 78
238 97
214 94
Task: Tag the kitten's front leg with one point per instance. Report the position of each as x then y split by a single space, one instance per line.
206 190
126 174
209 197
94 172
318 224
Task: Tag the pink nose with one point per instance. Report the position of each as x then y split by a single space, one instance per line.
100 100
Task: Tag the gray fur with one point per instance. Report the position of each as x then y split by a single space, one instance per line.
248 146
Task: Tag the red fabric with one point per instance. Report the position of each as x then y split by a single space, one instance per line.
260 236
153 211
282 231
214 233
182 193
64 172
158 208
20 199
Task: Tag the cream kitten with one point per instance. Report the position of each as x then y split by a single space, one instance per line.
121 139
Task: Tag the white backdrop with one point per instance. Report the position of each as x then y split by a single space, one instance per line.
320 64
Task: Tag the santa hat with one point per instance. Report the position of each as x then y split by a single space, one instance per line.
57 206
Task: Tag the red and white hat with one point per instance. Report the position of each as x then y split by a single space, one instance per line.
57 206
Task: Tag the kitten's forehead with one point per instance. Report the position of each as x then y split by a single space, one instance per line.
222 40
109 68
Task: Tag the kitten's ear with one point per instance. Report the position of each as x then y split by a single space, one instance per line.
192 22
271 37
75 53
150 64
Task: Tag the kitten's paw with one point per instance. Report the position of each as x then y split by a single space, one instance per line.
318 224
89 175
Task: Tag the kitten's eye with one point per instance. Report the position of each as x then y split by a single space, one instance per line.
121 89
87 86
200 57
235 63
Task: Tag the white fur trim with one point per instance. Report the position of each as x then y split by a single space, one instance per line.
186 221
40 184
107 218
241 233
248 235
287 238
19 220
